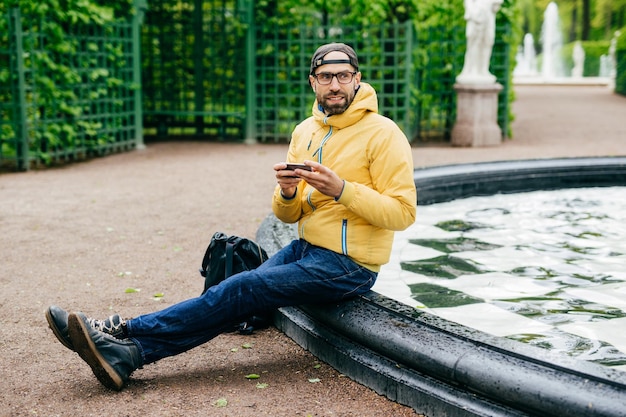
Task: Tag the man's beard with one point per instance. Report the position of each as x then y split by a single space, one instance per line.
337 108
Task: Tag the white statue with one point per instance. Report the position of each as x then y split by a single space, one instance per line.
612 49
579 60
480 31
530 56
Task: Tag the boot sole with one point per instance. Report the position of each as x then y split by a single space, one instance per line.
57 332
86 349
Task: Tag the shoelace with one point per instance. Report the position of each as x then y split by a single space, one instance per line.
114 325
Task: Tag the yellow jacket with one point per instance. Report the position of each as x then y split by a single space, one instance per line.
372 155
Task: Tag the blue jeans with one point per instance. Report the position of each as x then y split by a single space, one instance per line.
300 273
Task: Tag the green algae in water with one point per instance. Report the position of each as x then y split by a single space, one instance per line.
459 226
574 280
434 296
537 272
444 266
556 309
458 244
574 346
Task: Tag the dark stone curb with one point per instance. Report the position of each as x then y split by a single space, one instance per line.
440 368
451 182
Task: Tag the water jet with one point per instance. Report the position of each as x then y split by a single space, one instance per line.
552 43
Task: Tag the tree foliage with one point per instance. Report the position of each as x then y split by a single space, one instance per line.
620 79
48 26
587 20
54 20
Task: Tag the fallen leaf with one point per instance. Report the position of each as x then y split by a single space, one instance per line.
220 402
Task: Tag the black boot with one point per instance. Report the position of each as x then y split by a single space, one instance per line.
111 360
57 320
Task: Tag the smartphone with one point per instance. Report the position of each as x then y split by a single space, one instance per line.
291 167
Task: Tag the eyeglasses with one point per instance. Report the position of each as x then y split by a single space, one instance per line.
325 78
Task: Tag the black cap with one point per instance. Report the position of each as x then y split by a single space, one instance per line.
318 57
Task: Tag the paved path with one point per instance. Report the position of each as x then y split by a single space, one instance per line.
550 121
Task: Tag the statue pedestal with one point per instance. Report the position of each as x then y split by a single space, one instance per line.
477 115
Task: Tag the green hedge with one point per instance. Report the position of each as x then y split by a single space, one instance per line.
620 56
60 119
593 51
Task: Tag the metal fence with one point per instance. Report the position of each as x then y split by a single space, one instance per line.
413 72
283 95
13 147
72 102
209 70
194 56
199 84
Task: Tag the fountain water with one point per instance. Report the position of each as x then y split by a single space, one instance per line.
439 367
552 42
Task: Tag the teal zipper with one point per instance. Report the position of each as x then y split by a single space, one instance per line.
318 152
344 237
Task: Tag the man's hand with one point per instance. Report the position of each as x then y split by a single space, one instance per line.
321 178
287 179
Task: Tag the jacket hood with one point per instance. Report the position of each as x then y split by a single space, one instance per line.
365 100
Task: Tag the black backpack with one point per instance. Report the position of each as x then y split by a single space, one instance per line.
229 255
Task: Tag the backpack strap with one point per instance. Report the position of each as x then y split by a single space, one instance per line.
228 270
262 254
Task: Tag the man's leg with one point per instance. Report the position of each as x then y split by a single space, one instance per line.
298 274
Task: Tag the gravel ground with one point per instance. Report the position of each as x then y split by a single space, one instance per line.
81 235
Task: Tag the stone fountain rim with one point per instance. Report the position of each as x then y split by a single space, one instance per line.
442 368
